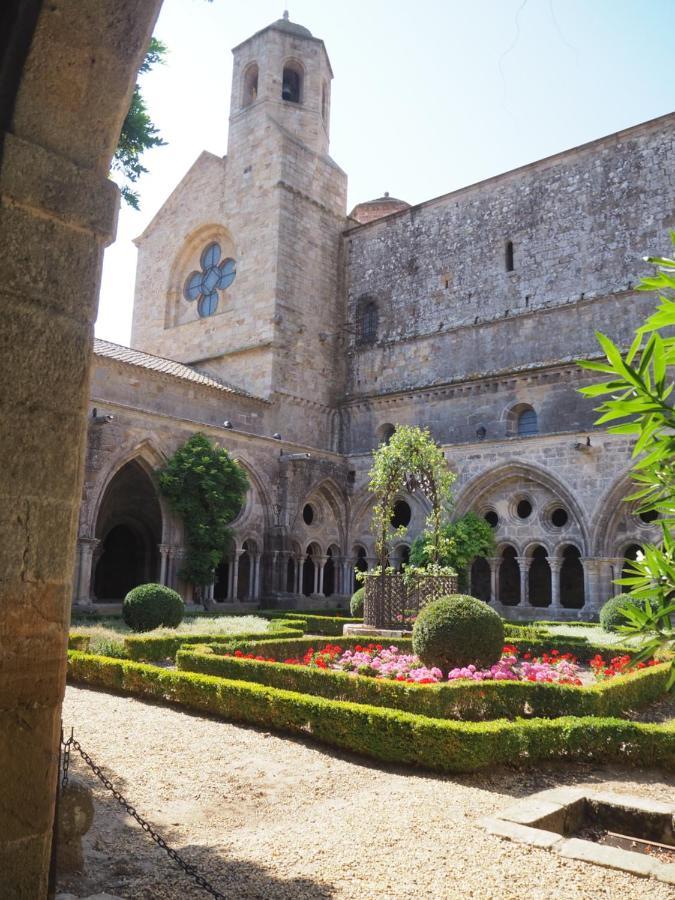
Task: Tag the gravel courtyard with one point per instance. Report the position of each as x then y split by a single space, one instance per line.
264 816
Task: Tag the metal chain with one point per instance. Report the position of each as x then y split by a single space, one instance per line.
128 808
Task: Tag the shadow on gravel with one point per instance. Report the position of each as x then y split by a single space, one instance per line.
122 860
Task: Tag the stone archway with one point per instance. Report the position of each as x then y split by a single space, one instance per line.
57 136
129 528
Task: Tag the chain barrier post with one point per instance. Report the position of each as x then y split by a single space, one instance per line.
130 810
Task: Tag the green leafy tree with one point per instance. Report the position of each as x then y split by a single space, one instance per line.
463 540
638 397
138 131
410 461
207 489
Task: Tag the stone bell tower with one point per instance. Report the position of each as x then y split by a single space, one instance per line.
252 293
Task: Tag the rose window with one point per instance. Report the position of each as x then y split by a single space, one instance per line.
215 276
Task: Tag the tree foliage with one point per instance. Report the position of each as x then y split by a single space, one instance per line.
138 131
207 489
462 541
638 397
412 462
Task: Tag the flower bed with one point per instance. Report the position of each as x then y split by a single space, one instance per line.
394 663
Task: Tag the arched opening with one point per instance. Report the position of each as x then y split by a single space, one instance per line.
527 422
402 557
360 563
400 517
572 579
291 83
129 526
508 256
481 579
509 578
367 321
221 581
630 555
539 578
290 575
245 586
250 93
308 570
385 433
329 572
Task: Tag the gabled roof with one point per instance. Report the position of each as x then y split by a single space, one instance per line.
167 366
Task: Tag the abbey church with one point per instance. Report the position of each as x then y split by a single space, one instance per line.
298 334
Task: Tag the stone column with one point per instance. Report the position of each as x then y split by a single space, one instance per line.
163 563
596 582
255 593
67 76
299 562
230 579
524 563
318 573
235 574
494 562
555 565
85 549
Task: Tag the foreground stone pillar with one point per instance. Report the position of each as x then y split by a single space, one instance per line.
66 78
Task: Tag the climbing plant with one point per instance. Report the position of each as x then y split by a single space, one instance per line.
639 395
206 488
410 461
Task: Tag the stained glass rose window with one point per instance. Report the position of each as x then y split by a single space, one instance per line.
215 275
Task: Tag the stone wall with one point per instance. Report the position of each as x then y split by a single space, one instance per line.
579 223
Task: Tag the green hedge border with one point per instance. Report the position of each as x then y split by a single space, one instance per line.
387 735
464 700
153 649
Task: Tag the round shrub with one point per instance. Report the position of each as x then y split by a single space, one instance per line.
356 603
458 631
610 614
149 606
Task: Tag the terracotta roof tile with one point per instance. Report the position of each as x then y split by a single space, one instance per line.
168 366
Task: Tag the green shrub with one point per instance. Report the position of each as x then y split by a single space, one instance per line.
150 606
388 735
610 614
78 641
458 631
326 625
356 603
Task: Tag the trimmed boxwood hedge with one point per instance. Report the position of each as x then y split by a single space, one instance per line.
78 641
331 626
387 735
153 649
467 700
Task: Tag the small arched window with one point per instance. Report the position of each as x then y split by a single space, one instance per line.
250 94
508 256
291 83
527 422
368 321
385 433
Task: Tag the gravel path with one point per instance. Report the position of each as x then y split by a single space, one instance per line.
264 816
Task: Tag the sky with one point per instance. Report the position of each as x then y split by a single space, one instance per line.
428 96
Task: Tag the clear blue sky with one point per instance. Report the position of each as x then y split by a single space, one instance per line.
428 96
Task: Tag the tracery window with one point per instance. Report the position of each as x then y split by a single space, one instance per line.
215 276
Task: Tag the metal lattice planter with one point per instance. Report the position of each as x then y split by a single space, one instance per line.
393 601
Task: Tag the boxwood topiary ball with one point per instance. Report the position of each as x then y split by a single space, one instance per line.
610 614
458 631
356 603
149 606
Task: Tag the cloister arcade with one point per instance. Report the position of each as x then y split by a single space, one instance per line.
552 557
